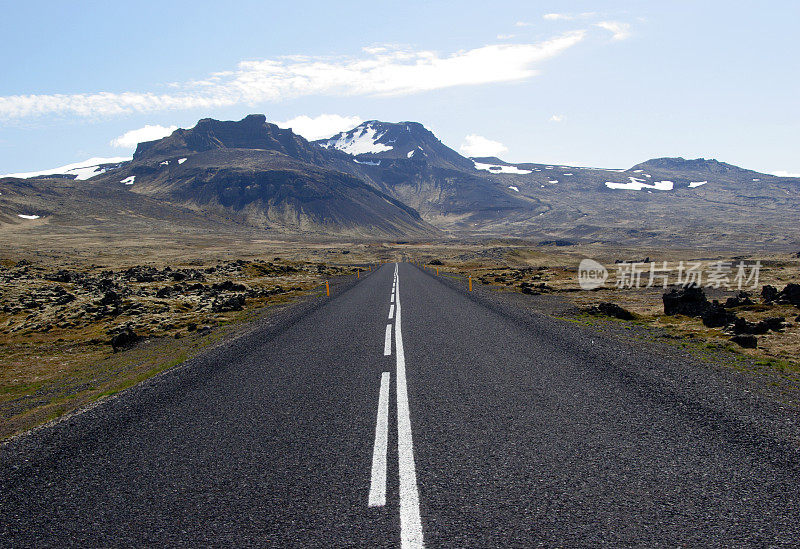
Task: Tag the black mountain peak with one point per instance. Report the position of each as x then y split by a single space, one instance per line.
252 132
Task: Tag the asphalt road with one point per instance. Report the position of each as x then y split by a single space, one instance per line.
408 415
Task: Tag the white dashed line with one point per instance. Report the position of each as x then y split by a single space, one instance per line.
410 522
377 487
387 342
391 311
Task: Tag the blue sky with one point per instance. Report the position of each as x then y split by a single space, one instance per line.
588 83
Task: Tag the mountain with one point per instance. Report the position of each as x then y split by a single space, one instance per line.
252 132
669 202
264 176
406 161
374 142
383 180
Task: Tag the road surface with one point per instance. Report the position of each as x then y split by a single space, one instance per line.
403 412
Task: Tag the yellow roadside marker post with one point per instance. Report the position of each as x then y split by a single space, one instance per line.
470 284
327 288
358 273
437 271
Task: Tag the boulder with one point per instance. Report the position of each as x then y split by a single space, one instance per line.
742 326
715 316
164 292
688 300
746 341
229 286
226 303
124 338
612 310
775 323
790 294
60 276
109 298
769 293
743 298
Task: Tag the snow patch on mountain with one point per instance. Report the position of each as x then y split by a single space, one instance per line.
129 180
693 184
81 170
513 188
639 184
27 216
360 140
497 168
367 162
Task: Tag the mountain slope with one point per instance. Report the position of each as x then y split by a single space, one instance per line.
408 162
663 202
75 207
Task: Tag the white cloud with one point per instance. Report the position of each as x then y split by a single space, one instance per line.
129 140
522 24
505 36
557 118
568 16
477 145
620 31
784 173
324 125
381 71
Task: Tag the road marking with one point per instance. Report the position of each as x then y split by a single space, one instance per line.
391 311
410 522
392 299
377 487
387 342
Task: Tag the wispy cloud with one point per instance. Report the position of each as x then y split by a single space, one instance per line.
568 16
477 145
522 24
619 30
380 71
505 36
129 140
784 173
557 118
324 125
